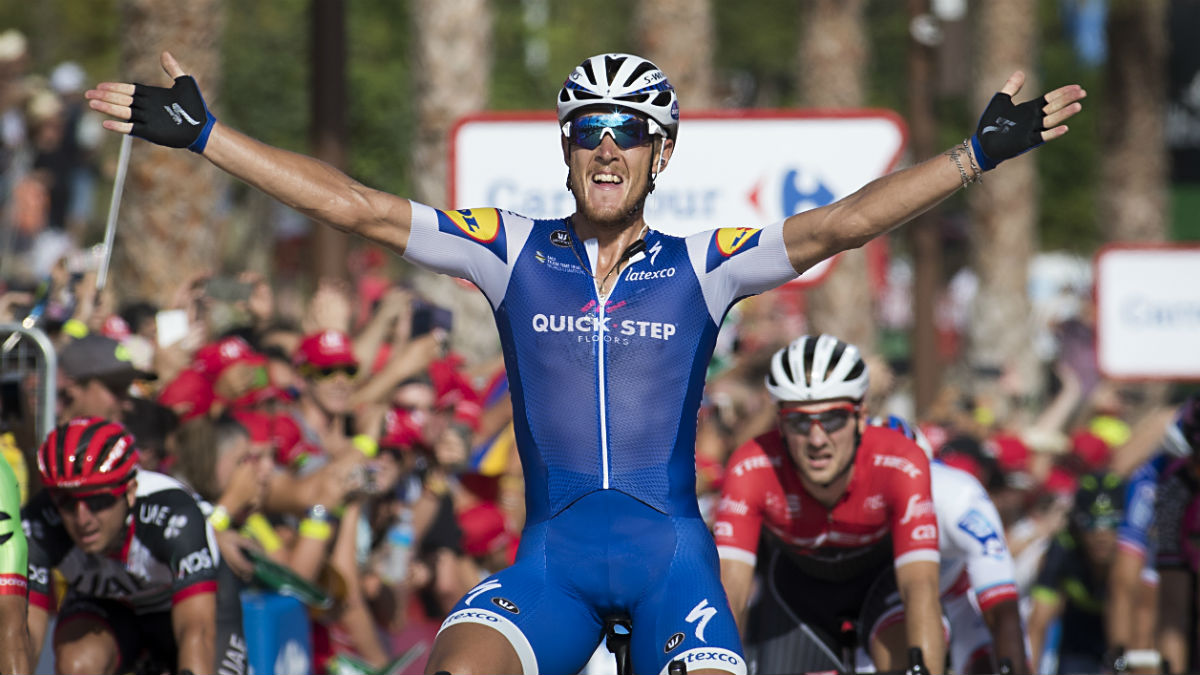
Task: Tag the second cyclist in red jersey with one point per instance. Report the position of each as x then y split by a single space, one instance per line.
836 519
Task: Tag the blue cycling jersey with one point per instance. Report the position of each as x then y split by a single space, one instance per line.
605 390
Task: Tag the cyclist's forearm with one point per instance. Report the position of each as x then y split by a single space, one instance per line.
1008 639
15 651
311 186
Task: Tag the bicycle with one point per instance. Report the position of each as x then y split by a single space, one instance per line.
617 631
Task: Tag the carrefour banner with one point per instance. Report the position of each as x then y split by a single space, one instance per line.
730 169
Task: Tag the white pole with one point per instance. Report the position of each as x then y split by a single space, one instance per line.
114 207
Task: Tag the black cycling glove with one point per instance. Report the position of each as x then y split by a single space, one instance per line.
1006 130
175 117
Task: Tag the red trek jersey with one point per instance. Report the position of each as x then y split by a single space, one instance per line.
889 493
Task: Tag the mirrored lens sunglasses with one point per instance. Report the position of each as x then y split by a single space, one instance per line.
797 421
627 130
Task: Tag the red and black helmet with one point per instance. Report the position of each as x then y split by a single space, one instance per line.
87 452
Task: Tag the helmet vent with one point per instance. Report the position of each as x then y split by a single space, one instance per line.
586 95
642 68
611 66
591 73
857 370
663 98
810 351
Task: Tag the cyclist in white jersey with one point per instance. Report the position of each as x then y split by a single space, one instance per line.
606 326
976 578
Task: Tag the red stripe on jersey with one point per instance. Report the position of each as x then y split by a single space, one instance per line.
43 600
195 589
13 584
990 597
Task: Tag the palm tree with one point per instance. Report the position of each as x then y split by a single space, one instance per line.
678 36
167 219
831 69
1135 165
453 40
1004 210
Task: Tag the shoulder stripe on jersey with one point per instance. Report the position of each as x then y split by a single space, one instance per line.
735 553
728 242
919 555
195 589
482 226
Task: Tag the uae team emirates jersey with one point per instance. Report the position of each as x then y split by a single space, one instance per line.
605 390
888 499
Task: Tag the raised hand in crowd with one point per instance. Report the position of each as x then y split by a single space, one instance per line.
330 308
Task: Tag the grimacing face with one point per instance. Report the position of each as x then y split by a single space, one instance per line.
96 530
821 453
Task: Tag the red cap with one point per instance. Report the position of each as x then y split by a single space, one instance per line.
212 359
454 391
190 395
1091 450
327 349
280 430
400 430
1011 454
1061 482
483 529
116 328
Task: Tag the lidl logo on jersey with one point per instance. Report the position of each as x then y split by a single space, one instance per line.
728 242
482 226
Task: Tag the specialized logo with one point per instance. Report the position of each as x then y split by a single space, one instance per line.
481 588
673 643
482 226
976 525
701 614
728 242
506 605
560 238
654 251
178 115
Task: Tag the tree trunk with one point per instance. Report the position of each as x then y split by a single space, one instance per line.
678 36
168 225
1135 165
1004 208
328 133
452 69
832 74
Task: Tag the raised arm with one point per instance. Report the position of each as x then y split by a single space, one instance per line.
1005 131
178 117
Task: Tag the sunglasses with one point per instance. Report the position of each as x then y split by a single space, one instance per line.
94 501
799 422
325 373
627 130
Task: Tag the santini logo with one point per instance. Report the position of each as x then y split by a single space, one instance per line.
178 115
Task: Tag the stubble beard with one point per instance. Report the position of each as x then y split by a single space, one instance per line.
615 220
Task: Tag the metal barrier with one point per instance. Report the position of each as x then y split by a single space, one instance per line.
27 353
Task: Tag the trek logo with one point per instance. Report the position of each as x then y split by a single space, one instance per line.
899 464
750 464
506 605
917 508
178 115
673 643
1002 125
195 562
701 614
560 238
481 588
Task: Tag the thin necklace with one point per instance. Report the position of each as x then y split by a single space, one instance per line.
630 251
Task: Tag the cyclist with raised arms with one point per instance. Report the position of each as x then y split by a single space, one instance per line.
845 517
15 653
140 562
606 327
979 593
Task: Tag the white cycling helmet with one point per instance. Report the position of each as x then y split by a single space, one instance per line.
622 80
817 368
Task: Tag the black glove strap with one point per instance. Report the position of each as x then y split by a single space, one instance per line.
1006 130
175 117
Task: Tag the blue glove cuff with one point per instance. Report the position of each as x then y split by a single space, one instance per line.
201 141
986 163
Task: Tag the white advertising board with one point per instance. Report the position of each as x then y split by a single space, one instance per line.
740 169
1148 312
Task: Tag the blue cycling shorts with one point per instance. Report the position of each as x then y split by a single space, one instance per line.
609 555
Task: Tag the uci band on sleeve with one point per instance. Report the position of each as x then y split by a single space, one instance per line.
582 368
13 551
